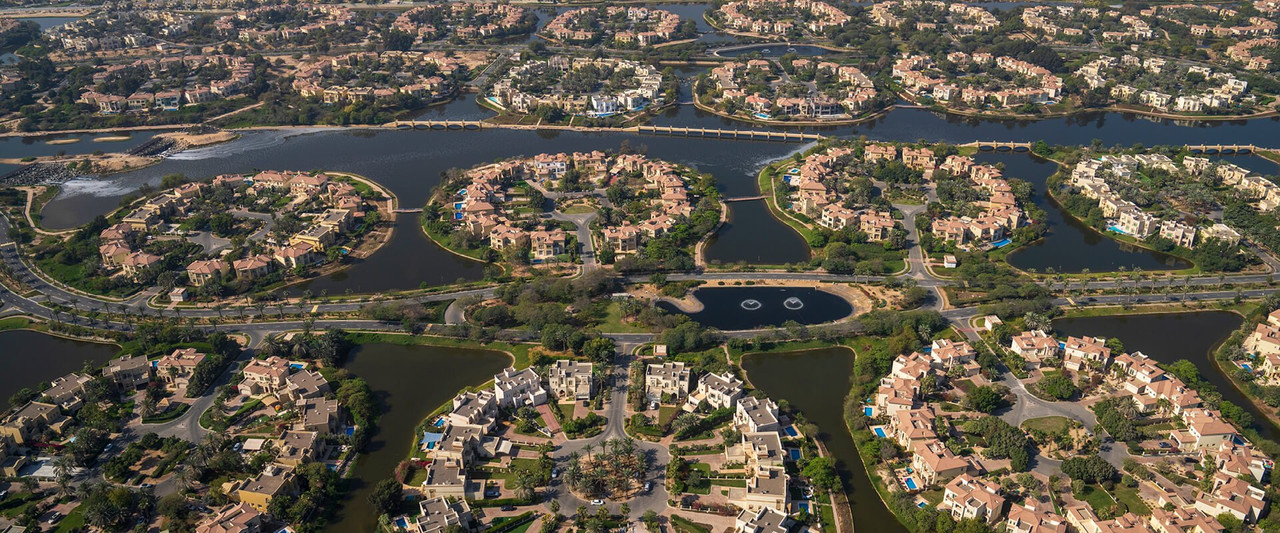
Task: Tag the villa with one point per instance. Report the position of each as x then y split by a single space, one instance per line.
571 380
716 390
754 415
967 497
669 379
513 388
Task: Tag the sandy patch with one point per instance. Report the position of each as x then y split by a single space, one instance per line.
112 139
72 140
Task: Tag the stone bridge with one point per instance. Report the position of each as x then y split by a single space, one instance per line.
754 135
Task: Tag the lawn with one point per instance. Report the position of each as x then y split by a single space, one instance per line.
15 322
1129 497
666 414
683 525
612 321
1048 424
174 411
739 483
566 409
74 521
520 352
1096 497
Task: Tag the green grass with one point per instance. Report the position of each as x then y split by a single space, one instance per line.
74 521
683 525
14 322
612 321
1096 497
566 409
173 412
666 414
1048 424
1243 308
1129 497
520 352
739 483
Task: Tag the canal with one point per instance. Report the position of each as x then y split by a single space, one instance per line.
410 163
31 357
1170 337
815 382
409 382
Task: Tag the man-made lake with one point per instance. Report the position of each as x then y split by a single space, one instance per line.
1173 336
815 382
410 163
31 357
410 382
739 308
1069 245
775 50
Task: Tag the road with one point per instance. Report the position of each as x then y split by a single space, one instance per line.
616 411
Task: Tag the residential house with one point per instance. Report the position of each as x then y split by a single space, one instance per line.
755 415
717 390
763 520
669 379
517 388
129 371
258 492
571 380
968 497
234 518
177 368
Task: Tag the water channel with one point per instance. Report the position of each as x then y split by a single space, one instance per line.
1169 337
409 382
816 382
410 162
739 308
31 357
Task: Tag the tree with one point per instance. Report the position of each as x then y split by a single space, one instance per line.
386 496
1058 385
984 399
1090 469
822 473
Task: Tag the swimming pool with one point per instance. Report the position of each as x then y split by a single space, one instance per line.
880 432
402 523
910 482
440 422
869 411
791 431
795 454
1247 367
803 506
1002 243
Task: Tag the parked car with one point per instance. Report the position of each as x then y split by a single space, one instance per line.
597 502
648 486
508 507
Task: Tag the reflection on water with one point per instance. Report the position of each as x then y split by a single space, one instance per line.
31 357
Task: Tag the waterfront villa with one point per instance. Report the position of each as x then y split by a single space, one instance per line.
1034 347
176 368
763 520
967 497
717 390
512 388
755 415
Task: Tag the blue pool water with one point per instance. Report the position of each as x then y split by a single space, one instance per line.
879 432
402 523
921 505
351 430
795 454
911 483
869 411
791 432
457 216
1247 367
1002 243
457 205
1117 230
439 422
804 506
297 366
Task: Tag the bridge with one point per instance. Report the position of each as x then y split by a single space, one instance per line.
1000 146
744 198
1223 148
435 124
754 135
407 210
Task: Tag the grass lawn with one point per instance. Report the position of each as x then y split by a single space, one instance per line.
14 322
666 413
519 351
683 525
739 483
566 409
1048 424
418 478
612 321
933 496
1096 497
578 210
828 514
74 521
174 411
1129 497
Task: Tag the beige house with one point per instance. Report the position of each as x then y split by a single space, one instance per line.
666 379
717 390
176 368
571 380
967 497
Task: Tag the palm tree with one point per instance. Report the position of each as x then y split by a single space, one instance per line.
62 466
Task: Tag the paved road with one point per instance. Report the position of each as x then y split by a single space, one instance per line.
653 500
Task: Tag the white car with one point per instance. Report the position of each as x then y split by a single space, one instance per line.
597 502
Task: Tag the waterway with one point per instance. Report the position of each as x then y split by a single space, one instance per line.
31 357
816 382
85 143
409 382
1173 336
1069 245
740 308
777 50
410 163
